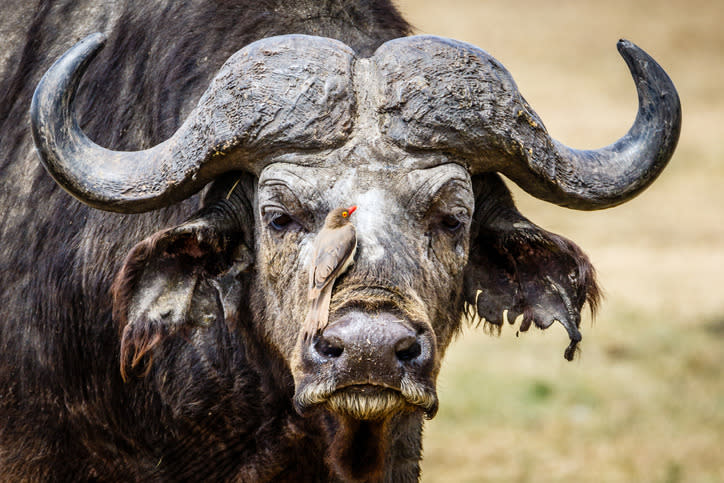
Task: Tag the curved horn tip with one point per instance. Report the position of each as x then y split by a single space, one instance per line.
74 58
86 47
624 44
97 38
630 51
642 65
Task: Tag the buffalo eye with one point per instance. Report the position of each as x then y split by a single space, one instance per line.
451 223
281 221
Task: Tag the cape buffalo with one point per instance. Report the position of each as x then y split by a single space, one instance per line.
153 323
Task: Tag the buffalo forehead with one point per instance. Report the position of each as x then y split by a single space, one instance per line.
375 185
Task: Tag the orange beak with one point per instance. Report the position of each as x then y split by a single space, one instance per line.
351 210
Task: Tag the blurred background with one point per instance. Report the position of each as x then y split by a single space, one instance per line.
644 401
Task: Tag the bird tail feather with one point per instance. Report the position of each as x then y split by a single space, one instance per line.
318 315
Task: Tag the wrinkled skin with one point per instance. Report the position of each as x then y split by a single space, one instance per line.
412 245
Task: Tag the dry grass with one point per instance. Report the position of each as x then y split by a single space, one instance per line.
645 401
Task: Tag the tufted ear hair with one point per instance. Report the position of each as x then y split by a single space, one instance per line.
183 278
517 266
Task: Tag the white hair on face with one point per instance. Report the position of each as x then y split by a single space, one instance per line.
366 406
315 393
416 394
373 209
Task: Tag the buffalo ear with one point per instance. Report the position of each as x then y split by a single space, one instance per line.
176 280
517 266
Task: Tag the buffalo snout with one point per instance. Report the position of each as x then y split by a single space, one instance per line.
369 366
379 343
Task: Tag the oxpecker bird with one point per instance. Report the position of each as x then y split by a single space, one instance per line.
334 250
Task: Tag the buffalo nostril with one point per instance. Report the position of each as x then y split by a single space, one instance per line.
329 347
408 349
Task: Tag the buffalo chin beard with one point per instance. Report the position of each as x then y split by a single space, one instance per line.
367 402
363 404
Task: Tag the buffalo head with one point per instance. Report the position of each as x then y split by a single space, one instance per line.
295 126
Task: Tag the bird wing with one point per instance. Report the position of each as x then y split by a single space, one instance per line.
318 315
333 251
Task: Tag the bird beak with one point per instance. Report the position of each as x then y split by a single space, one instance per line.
351 210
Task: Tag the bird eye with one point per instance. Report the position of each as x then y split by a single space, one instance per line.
280 221
345 214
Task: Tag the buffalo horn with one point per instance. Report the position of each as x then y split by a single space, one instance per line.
450 95
251 109
596 179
